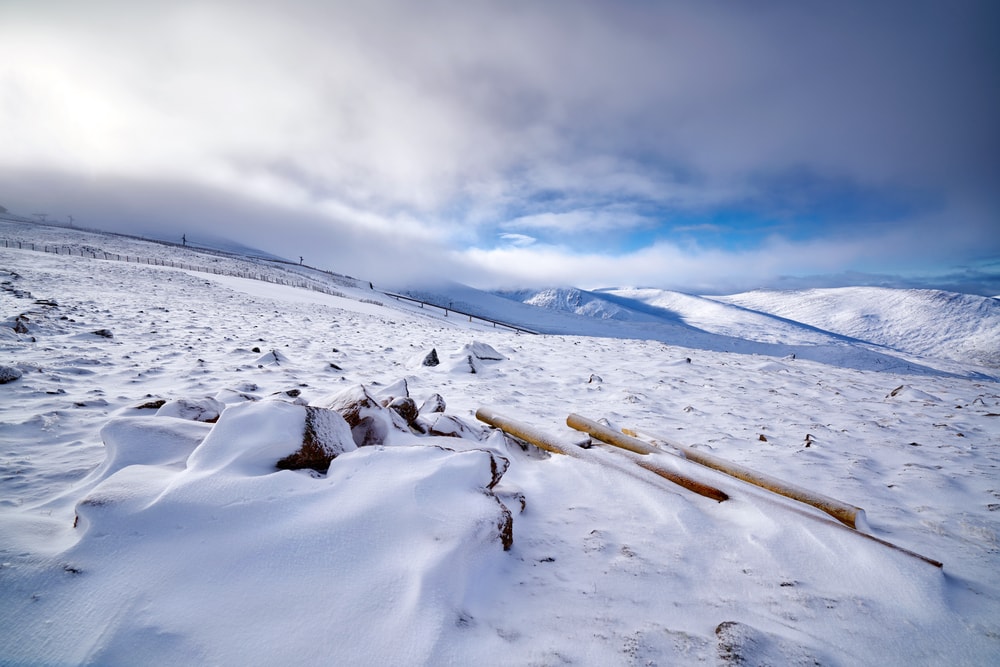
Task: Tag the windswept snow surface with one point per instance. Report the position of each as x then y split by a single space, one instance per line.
190 548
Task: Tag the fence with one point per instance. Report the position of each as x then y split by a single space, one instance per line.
449 309
251 275
133 259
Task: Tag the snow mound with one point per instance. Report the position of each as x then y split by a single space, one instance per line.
908 393
397 538
470 358
201 409
254 438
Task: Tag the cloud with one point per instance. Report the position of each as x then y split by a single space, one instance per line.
445 126
518 240
777 263
579 221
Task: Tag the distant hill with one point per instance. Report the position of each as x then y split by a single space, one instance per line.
925 322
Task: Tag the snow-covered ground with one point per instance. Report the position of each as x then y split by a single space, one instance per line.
131 532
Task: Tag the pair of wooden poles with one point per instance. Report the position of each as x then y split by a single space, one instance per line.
640 451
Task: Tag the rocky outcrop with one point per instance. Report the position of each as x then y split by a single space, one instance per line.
370 422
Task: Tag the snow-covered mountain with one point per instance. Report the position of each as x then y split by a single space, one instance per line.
577 301
215 459
925 322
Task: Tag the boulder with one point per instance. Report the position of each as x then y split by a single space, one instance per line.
452 427
9 374
434 403
256 438
406 408
272 358
370 423
483 351
742 644
196 409
398 389
325 435
471 357
428 359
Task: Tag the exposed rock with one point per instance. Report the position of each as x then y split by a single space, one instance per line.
741 644
325 436
195 409
398 389
406 408
370 422
423 359
513 498
272 358
255 438
9 374
290 396
434 403
228 396
505 526
483 351
154 404
465 364
103 333
470 358
21 324
905 391
452 427
498 466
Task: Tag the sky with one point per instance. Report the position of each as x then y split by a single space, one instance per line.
706 147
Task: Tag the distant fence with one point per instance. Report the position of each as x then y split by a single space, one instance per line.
251 275
133 259
449 309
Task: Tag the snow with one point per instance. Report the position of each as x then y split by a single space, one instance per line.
136 528
925 322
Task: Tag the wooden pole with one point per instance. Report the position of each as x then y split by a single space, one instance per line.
526 432
850 517
544 441
847 514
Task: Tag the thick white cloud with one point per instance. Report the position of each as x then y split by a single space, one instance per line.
440 126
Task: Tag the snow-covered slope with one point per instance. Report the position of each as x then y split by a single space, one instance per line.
577 301
131 532
726 324
719 318
925 322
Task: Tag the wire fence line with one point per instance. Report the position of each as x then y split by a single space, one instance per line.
153 261
71 251
450 309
